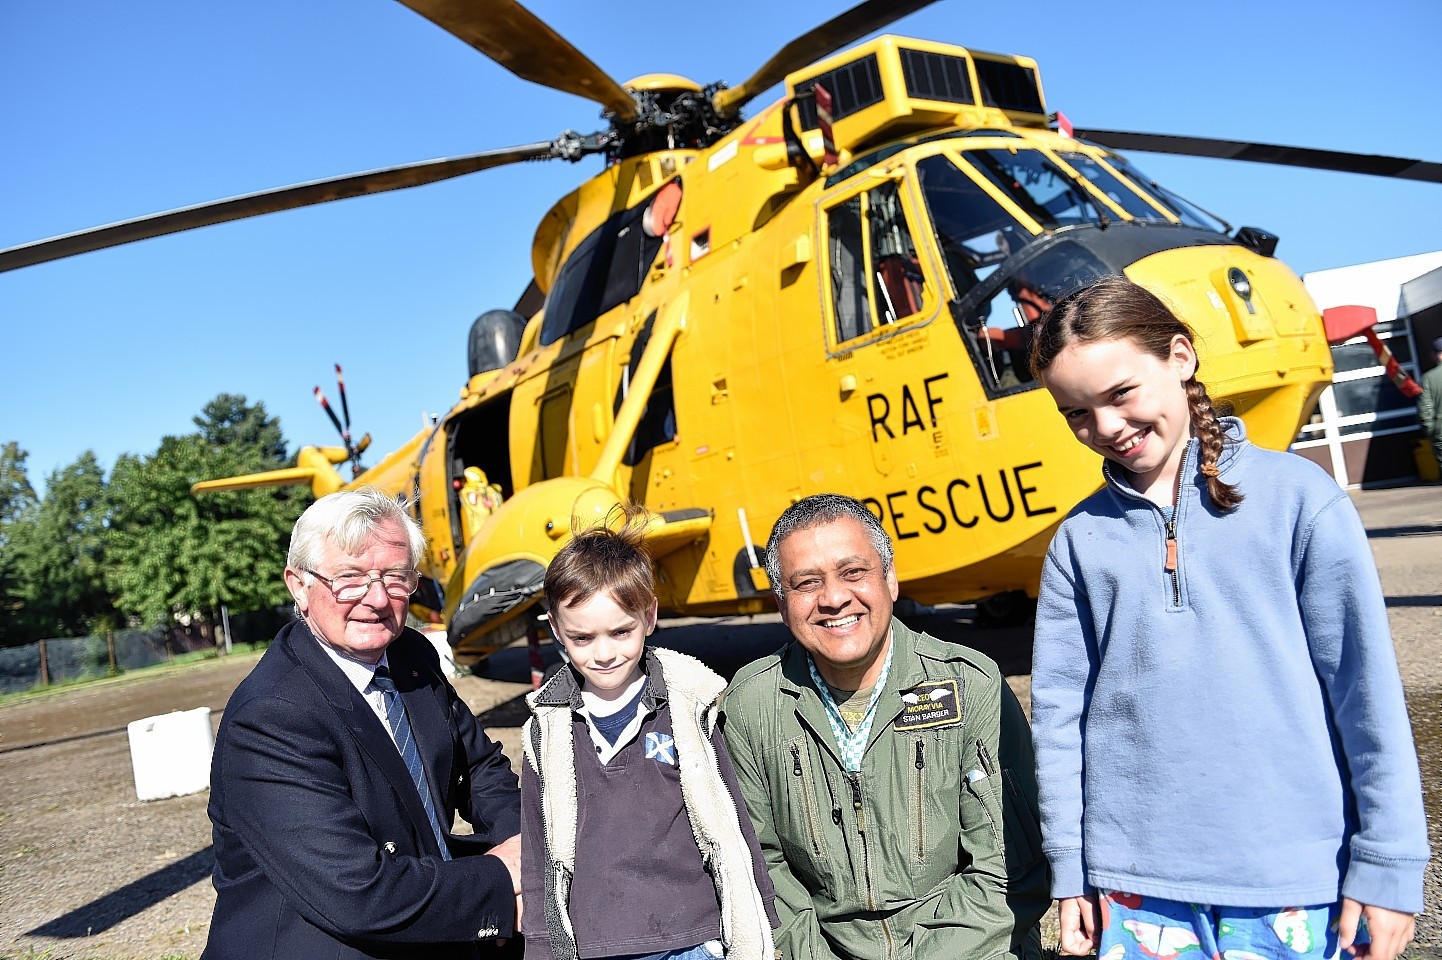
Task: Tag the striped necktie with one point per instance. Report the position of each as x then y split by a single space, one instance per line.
406 744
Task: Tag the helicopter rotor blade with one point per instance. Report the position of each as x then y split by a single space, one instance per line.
335 421
1398 167
267 201
864 18
344 406
524 44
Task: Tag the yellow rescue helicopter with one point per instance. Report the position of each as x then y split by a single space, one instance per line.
832 294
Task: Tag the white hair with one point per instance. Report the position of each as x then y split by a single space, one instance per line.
349 519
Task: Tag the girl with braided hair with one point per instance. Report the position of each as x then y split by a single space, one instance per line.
1223 751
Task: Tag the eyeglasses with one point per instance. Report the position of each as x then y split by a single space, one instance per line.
353 586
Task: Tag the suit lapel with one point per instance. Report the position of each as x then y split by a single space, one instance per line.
360 721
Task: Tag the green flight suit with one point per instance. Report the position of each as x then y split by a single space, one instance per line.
1429 410
932 850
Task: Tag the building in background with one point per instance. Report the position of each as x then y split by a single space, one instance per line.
1364 430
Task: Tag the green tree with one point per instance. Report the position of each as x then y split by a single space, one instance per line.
16 494
174 553
60 552
18 504
244 429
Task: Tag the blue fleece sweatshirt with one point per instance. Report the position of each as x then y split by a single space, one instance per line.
1235 736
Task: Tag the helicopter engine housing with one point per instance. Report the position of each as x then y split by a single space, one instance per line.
494 341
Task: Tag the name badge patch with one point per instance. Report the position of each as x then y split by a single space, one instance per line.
934 703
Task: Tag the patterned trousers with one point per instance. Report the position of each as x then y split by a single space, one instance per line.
1150 928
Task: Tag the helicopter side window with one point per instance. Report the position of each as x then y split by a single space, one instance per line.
849 295
895 268
1039 187
634 251
658 421
974 232
605 270
1116 190
575 297
876 276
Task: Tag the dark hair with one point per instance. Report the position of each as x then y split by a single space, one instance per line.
1114 308
608 558
813 511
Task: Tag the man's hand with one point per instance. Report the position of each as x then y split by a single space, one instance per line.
1391 931
1079 933
509 853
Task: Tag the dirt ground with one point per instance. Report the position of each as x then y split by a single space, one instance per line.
88 871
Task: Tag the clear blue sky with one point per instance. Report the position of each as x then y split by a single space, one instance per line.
114 110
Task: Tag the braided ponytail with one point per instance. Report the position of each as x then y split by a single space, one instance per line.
1210 437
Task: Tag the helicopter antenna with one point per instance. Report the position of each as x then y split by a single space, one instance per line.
344 433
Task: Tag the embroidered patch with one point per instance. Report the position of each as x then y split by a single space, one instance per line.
934 703
661 748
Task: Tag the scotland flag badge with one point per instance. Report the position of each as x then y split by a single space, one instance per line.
661 748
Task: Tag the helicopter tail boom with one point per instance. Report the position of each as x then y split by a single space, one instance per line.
314 466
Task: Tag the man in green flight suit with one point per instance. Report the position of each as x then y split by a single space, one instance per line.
1429 404
889 774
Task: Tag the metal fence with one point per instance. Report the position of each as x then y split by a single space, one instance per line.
67 659
78 658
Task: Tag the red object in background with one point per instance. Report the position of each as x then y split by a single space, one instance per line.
823 123
533 654
1345 322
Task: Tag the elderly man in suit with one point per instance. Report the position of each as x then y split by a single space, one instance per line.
341 762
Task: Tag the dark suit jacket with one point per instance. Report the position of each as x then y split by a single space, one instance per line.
322 847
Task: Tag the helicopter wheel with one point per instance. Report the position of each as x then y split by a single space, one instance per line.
1011 609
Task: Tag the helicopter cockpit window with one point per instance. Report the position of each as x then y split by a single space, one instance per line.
998 330
1115 189
1039 187
876 276
1190 215
973 231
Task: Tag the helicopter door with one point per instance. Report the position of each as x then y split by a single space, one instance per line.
880 295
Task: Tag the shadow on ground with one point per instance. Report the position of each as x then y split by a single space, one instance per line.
101 914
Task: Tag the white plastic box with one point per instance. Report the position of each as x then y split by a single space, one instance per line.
444 651
170 754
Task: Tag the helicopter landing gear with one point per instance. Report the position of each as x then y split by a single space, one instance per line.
1011 609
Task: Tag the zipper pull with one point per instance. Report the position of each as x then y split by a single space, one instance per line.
1171 546
983 756
855 779
795 760
920 760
